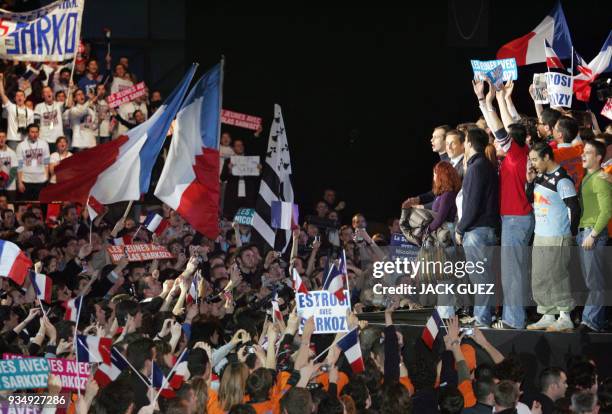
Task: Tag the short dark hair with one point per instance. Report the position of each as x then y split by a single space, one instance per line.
478 138
197 361
297 401
506 394
543 149
518 133
549 376
568 128
450 400
550 117
139 351
64 70
61 138
259 383
482 389
116 397
600 148
358 391
456 132
30 126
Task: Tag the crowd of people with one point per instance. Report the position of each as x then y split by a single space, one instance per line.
505 180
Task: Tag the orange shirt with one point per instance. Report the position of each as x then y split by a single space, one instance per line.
469 399
570 158
323 379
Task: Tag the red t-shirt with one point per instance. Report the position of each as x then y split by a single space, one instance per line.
512 178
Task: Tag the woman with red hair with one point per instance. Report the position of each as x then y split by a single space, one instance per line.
446 185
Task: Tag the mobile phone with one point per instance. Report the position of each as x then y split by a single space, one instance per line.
467 331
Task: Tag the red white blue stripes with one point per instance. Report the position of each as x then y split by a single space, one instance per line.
14 264
94 349
42 286
352 351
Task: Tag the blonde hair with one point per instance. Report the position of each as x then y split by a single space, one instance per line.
200 390
231 389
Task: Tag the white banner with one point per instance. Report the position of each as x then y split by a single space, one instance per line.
329 312
46 34
539 89
245 165
560 89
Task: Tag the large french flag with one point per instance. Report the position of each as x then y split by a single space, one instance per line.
530 48
189 182
94 349
14 264
432 328
42 286
119 170
600 64
352 351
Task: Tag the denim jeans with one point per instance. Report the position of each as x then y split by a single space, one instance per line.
592 263
477 245
515 264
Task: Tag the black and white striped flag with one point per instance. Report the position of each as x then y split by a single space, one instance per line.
275 185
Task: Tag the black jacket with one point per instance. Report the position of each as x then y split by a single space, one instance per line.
480 195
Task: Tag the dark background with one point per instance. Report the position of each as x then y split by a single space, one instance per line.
362 88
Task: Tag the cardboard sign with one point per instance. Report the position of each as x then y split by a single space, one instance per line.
398 239
496 77
244 216
25 373
539 89
245 165
560 89
72 375
240 120
126 95
329 313
607 109
481 67
139 252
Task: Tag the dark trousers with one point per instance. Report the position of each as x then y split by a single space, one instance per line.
32 191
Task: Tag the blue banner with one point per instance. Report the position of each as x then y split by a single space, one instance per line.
26 373
481 67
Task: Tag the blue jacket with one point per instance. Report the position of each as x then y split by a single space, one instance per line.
480 195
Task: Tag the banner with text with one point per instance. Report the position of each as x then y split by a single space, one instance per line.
244 216
19 374
560 89
71 374
139 252
240 120
540 94
243 165
41 35
126 95
481 67
329 312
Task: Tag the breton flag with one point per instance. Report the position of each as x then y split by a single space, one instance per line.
14 264
107 373
42 286
530 48
432 327
94 208
352 351
155 223
334 283
588 73
94 349
298 284
275 185
552 60
189 182
285 215
72 307
119 170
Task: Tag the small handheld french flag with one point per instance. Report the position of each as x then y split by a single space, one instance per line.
42 286
432 328
94 349
192 295
155 223
120 241
159 382
284 215
334 283
72 307
352 351
181 372
107 373
14 264
94 208
298 284
277 315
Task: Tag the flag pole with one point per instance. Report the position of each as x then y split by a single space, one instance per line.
76 335
127 210
166 378
333 344
143 379
348 287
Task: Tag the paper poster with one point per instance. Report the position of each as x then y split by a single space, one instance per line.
245 165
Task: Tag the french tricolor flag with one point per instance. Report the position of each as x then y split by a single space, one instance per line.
189 182
14 264
159 382
155 223
181 372
94 349
552 60
284 215
588 73
432 328
298 284
107 373
530 48
94 208
119 170
334 283
352 351
277 315
42 286
72 307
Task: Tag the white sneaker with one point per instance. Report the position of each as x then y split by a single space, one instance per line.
544 323
563 324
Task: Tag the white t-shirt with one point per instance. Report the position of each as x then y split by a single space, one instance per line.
126 111
103 114
17 118
84 126
32 159
50 116
120 84
56 159
8 160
